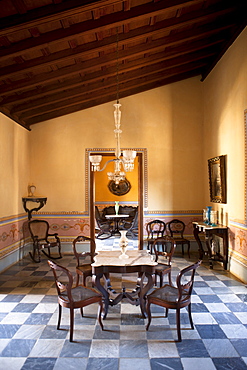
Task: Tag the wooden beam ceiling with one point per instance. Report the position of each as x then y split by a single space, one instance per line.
59 57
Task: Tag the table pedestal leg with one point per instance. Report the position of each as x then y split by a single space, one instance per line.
196 233
136 297
97 284
144 290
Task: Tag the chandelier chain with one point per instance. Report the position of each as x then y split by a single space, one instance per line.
124 160
117 52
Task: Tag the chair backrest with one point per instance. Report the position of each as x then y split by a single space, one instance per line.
169 248
135 220
99 214
110 210
185 281
176 228
128 210
84 256
156 229
38 229
64 281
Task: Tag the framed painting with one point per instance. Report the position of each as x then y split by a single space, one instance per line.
217 179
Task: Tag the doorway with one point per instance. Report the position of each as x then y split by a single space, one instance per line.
140 162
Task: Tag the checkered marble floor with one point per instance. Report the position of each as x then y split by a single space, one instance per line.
113 244
29 339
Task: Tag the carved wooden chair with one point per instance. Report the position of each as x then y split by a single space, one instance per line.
131 223
43 240
105 226
83 259
173 297
72 298
176 231
164 258
155 229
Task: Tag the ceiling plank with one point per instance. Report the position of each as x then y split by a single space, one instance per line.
108 22
135 35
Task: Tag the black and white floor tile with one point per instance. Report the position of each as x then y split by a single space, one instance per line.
29 339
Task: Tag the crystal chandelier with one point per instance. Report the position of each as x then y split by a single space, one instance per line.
124 161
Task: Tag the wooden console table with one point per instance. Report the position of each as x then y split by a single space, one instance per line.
41 201
209 232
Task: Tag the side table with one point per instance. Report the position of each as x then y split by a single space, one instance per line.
40 200
209 231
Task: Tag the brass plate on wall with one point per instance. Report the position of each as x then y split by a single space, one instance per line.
122 188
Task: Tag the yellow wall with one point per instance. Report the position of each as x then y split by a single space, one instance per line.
225 99
167 121
15 168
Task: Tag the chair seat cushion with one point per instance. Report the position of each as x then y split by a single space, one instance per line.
84 268
162 267
81 293
167 294
53 244
47 245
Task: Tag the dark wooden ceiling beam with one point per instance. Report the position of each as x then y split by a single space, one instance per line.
20 6
96 78
64 58
108 22
154 46
52 91
51 13
109 98
95 85
135 35
145 75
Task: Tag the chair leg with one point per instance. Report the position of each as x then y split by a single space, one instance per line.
84 278
33 255
77 280
59 316
166 314
170 278
178 324
148 314
161 279
81 309
189 249
71 324
59 251
100 310
190 316
155 279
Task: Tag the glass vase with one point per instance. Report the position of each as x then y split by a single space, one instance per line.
213 218
209 208
123 243
204 216
116 207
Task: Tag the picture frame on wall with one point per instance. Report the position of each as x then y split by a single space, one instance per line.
217 179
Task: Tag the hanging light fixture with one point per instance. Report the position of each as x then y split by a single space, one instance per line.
124 161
